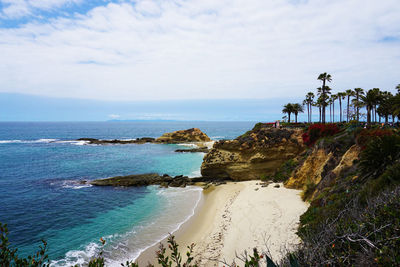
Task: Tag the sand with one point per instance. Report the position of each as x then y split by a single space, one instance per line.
238 217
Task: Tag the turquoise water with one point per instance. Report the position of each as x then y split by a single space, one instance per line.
40 165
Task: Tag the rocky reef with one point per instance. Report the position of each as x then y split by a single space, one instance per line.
94 141
152 179
181 136
256 154
202 149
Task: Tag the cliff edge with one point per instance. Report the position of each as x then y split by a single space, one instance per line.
256 154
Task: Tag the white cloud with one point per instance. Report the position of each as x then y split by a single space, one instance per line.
20 8
181 49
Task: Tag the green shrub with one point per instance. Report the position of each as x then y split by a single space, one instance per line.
379 153
284 171
308 190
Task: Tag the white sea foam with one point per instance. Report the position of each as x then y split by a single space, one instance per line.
73 142
27 141
73 184
188 145
78 257
180 205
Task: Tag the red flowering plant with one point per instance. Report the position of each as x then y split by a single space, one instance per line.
316 131
364 136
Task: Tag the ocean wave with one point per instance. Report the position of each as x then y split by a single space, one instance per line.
196 173
129 245
73 142
188 145
69 184
78 257
43 140
73 184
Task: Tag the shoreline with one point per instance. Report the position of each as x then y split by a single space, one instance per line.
235 217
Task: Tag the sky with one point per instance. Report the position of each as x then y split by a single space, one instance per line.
191 51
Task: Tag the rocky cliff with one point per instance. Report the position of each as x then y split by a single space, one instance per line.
324 163
256 154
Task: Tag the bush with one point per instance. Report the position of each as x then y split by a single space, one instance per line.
285 170
364 136
316 131
379 153
308 191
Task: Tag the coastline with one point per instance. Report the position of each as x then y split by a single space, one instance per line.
235 217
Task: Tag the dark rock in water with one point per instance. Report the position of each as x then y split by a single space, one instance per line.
194 150
152 179
116 141
277 186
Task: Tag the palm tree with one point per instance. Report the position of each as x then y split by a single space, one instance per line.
308 101
297 108
385 105
358 92
288 109
377 95
318 104
369 101
324 77
349 94
341 96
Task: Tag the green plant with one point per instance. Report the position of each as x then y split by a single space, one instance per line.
308 191
284 171
379 153
9 257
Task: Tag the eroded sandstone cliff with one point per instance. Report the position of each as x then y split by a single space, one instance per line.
254 155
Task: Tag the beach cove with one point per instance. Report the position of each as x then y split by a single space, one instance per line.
236 217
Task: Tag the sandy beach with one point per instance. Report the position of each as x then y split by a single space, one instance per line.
240 216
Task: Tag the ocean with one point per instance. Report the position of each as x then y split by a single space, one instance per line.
41 197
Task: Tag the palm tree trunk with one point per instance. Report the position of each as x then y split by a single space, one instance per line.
289 117
323 105
310 113
348 108
358 114
340 106
320 115
333 111
368 115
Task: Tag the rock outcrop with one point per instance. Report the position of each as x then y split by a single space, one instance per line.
94 141
152 179
257 153
182 136
202 149
189 135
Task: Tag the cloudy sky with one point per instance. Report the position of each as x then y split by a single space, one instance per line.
196 49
